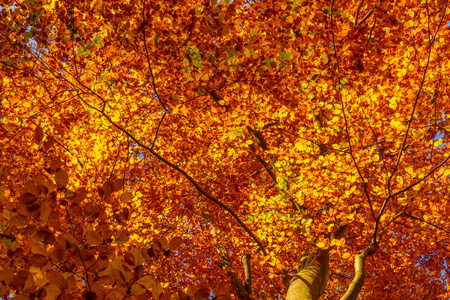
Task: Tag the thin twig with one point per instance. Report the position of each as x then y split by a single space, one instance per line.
157 130
422 220
357 12
410 118
404 190
148 58
181 171
348 135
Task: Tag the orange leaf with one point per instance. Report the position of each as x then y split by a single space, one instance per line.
346 255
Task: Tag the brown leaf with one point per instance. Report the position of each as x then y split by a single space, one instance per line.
163 242
175 243
20 278
166 295
125 197
147 281
49 143
71 282
58 255
107 280
117 185
27 199
157 291
56 278
55 164
157 248
32 188
38 134
182 296
137 289
118 275
52 292
122 237
127 274
191 291
38 260
222 288
86 255
89 295
107 188
61 177
70 195
129 259
138 256
43 189
40 234
19 220
67 241
3 172
93 237
202 292
80 194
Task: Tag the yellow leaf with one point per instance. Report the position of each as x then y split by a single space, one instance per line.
320 244
401 73
395 123
346 255
300 146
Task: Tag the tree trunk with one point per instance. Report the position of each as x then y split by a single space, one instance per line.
311 280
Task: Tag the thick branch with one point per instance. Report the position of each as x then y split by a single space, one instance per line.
217 98
247 272
235 281
360 273
311 280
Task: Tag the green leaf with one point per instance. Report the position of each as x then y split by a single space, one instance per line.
7 243
286 217
263 216
337 12
9 62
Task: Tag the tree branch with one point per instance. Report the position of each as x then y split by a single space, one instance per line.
247 272
360 273
184 173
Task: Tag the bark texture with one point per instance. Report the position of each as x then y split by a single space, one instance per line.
311 280
360 273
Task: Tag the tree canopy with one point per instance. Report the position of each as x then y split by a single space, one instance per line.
187 149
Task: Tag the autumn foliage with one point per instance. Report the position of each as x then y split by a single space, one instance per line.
187 149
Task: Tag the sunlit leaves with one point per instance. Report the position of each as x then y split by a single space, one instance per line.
332 89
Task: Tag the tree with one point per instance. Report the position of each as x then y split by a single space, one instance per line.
235 149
